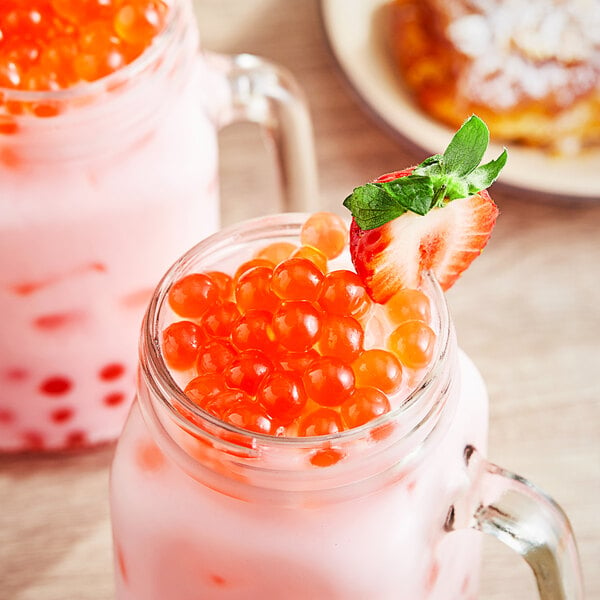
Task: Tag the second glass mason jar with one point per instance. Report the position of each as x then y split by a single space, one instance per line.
102 186
202 509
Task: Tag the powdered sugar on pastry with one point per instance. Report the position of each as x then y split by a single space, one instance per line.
527 49
529 68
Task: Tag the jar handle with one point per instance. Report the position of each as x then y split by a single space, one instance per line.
264 93
525 519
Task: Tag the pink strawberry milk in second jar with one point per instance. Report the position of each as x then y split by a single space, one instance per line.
259 461
108 172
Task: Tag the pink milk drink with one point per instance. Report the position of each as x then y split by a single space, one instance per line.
211 502
103 183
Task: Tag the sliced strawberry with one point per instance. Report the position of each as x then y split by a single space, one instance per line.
445 241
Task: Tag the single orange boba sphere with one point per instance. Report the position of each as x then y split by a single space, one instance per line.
325 231
247 371
379 369
218 320
192 295
408 305
138 22
254 331
297 325
250 264
364 405
323 421
276 252
413 342
181 343
296 279
214 356
204 387
250 416
282 395
341 337
328 381
312 254
342 292
253 290
223 282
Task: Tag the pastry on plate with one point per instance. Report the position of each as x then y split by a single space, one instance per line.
530 69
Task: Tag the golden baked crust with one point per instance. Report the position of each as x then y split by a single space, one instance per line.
529 68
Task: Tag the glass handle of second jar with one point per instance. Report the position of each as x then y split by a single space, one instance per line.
528 521
264 93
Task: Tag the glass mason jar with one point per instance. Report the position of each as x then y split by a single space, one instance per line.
201 509
102 186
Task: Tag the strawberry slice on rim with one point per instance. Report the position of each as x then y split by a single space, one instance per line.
444 241
434 217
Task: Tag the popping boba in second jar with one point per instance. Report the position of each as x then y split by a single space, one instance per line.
108 172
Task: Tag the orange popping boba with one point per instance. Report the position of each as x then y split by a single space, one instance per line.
281 344
49 45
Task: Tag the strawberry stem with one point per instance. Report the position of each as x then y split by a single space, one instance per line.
440 194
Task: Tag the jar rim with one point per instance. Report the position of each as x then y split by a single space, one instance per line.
158 378
91 88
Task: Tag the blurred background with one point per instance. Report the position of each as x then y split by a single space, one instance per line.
527 312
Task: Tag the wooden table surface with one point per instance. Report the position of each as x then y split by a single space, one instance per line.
527 312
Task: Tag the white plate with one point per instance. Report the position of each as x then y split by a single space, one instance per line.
356 30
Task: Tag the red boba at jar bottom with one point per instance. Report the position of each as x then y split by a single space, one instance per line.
61 411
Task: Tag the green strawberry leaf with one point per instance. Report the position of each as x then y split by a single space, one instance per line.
414 193
467 147
482 177
375 204
430 166
436 181
371 206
